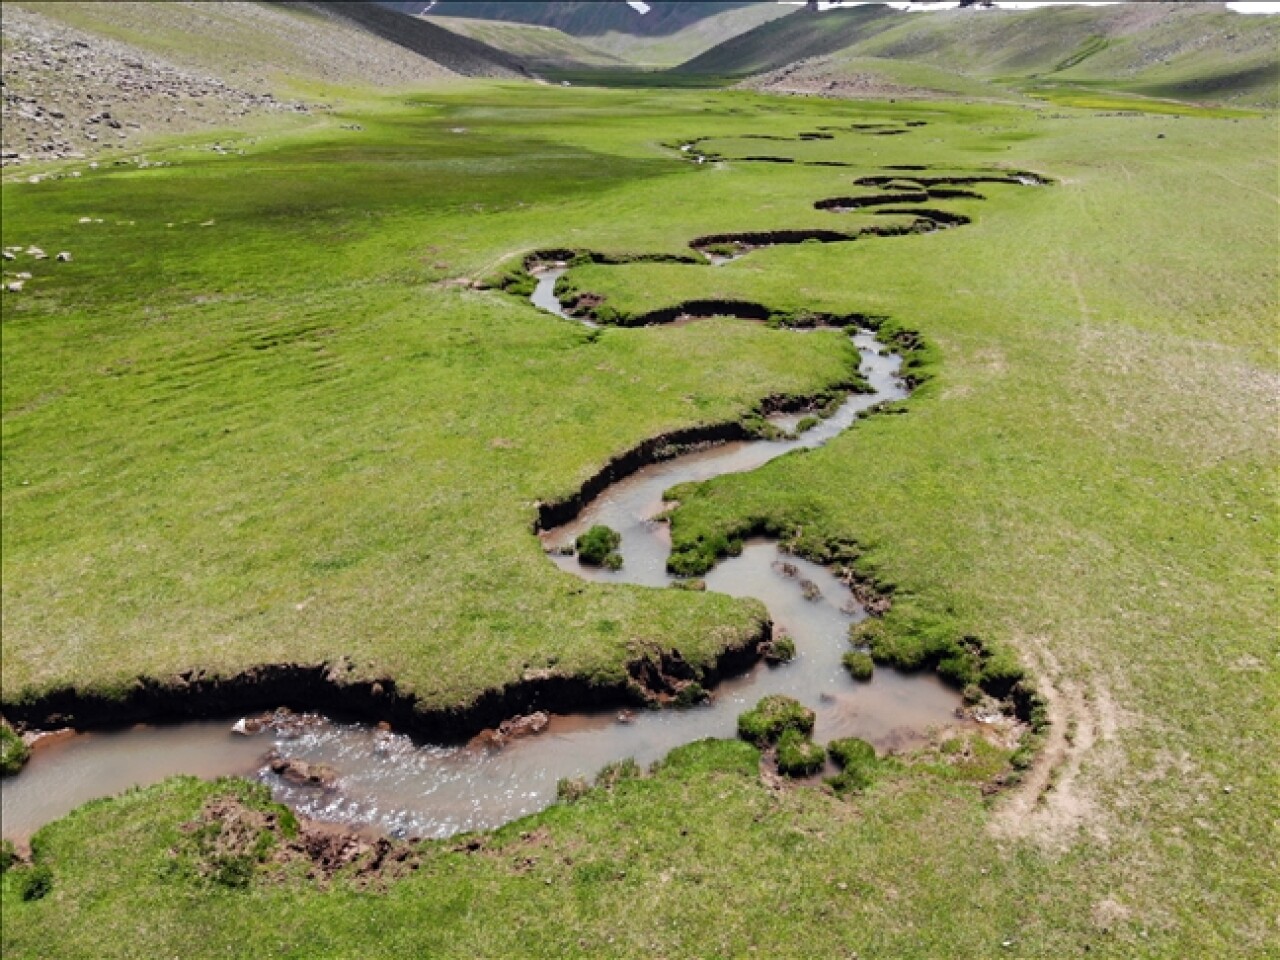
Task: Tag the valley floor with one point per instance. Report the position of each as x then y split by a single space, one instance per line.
264 416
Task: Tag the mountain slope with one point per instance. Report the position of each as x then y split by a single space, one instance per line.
667 50
1196 50
799 36
589 19
455 52
539 47
82 78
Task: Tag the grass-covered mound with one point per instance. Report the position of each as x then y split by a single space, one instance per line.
859 664
13 751
772 717
598 547
857 762
798 756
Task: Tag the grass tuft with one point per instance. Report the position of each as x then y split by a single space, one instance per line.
598 547
771 717
798 756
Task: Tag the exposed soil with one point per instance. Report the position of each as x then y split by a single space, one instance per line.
821 77
941 218
769 238
839 204
662 447
335 689
228 831
1017 177
1052 802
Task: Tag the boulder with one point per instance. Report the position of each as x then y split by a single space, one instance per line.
526 726
248 726
300 772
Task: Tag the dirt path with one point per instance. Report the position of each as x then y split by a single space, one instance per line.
1054 801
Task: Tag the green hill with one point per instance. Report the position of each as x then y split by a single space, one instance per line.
1181 50
84 78
796 37
539 47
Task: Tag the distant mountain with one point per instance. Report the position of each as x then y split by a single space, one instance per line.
540 47
586 19
1177 49
631 40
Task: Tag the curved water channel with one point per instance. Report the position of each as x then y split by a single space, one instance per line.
390 782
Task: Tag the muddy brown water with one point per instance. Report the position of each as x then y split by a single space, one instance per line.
390 782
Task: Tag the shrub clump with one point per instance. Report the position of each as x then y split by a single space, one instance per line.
761 428
518 283
598 547
859 664
798 756
807 423
857 762
772 717
13 751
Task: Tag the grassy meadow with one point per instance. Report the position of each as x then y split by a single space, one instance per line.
259 419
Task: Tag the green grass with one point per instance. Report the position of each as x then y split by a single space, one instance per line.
537 45
773 716
13 751
280 437
599 547
1103 96
1191 52
859 664
798 756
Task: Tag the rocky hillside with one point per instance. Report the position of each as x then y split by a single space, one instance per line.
459 54
86 78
